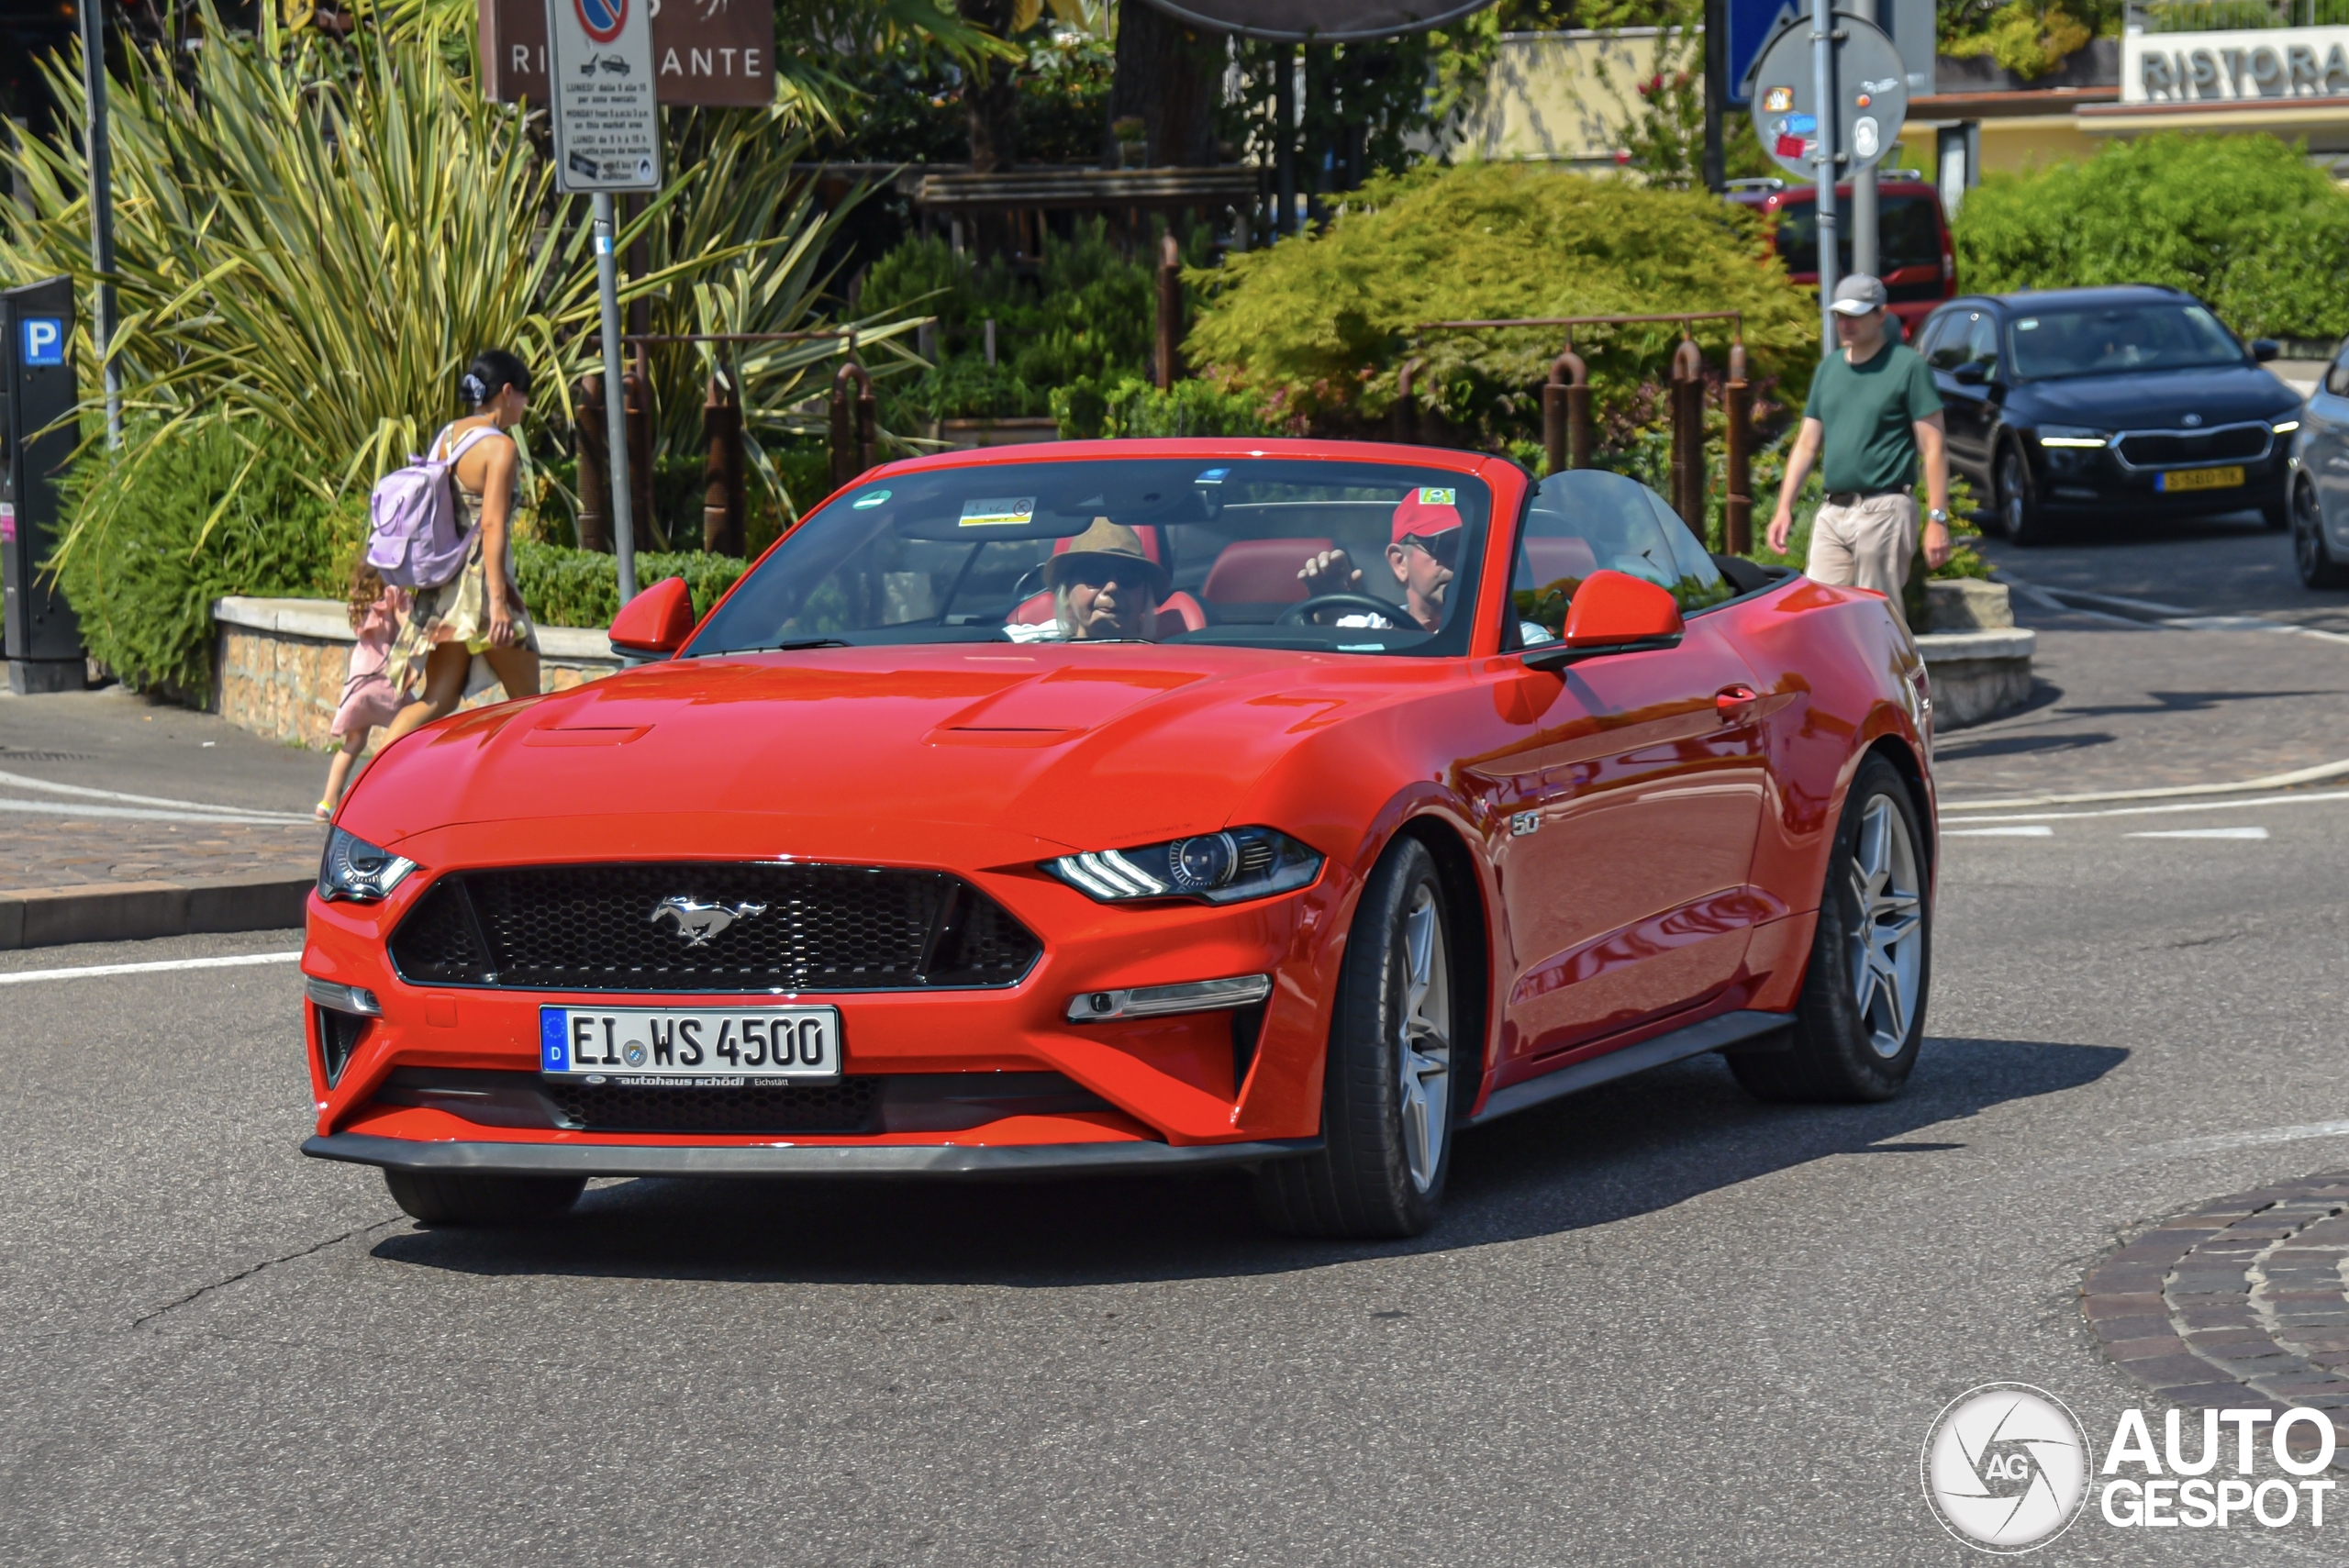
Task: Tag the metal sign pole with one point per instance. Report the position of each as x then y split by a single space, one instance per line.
608 289
100 160
1865 226
1822 65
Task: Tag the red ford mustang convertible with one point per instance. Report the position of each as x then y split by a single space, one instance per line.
1140 806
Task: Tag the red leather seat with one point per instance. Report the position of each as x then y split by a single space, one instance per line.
1554 556
1261 570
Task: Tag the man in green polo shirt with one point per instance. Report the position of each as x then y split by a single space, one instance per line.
1873 409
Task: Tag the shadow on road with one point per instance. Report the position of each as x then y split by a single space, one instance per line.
1631 1147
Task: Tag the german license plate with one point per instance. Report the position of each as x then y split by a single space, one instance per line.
687 1045
2199 479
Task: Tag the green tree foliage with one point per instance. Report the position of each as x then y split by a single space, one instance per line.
1133 406
1318 324
228 516
2030 38
2244 222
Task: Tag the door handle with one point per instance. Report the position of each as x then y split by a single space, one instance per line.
1735 704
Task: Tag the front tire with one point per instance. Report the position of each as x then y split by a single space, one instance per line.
1386 1103
1862 1015
2020 518
2310 552
441 1197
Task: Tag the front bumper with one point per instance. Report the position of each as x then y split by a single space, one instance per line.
2092 480
902 1160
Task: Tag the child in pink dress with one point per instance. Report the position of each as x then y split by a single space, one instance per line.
369 697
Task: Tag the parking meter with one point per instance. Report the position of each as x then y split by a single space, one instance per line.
37 388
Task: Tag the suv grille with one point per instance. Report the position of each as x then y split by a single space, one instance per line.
821 928
2163 449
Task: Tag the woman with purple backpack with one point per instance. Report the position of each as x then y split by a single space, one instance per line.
479 610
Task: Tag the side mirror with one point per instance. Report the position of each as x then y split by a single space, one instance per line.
1613 612
1973 373
2265 349
656 621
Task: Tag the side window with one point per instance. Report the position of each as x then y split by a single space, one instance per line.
1982 341
1587 521
1942 342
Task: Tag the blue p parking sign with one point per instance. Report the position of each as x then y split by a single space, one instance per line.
44 340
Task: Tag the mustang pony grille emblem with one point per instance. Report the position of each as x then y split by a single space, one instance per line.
697 922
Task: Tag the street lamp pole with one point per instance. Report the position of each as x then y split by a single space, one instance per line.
99 159
1822 65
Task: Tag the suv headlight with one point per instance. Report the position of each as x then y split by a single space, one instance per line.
2071 436
1216 868
354 869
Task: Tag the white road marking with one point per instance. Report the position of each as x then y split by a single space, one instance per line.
1998 832
2271 780
145 814
2206 833
21 781
92 972
2317 799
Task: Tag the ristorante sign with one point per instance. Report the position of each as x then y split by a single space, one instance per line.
706 53
2265 65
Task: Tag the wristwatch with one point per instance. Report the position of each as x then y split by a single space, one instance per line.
1937 516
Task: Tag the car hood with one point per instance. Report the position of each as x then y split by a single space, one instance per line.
2155 400
1080 747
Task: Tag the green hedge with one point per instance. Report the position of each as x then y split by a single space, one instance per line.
198 518
1130 406
2243 222
581 587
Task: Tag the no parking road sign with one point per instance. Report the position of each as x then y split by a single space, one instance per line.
604 94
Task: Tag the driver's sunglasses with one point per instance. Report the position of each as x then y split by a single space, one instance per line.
1445 547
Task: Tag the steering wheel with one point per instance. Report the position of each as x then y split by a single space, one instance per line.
1303 614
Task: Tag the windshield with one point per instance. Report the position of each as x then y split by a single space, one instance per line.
2106 339
1908 234
1337 556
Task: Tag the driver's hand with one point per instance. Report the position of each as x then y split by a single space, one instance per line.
1331 572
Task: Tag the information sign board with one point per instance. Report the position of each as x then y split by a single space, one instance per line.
606 116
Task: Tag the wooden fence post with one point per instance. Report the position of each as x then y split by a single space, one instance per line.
1566 414
1406 413
722 501
1170 310
649 531
854 422
1688 435
588 440
1737 503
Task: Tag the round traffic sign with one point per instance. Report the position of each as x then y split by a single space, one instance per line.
1871 98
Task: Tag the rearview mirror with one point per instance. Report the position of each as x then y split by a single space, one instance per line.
1613 612
656 621
1973 373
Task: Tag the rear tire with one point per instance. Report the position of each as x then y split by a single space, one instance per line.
2020 518
2310 552
1862 1015
1386 1102
440 1198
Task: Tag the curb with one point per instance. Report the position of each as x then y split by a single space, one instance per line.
136 911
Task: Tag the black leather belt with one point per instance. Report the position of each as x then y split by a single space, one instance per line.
1854 497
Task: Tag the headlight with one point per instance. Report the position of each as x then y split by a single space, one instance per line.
2070 436
2284 426
1218 868
354 869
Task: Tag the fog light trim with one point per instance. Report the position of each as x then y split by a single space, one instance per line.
356 1000
1158 1001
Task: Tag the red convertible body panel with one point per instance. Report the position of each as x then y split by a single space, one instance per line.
1640 839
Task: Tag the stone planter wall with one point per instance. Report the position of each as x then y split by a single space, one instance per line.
279 664
1979 659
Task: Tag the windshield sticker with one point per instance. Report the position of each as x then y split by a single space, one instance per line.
1431 497
999 512
869 500
1212 476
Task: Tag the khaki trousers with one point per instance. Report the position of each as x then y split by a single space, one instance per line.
1866 545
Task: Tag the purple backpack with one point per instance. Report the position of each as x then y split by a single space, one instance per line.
412 536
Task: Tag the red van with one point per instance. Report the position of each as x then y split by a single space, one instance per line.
1913 254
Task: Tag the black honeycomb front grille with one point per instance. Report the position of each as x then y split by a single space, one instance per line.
844 1107
2159 450
784 927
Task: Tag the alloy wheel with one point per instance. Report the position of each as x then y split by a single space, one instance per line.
1888 936
2307 548
2011 496
1424 1048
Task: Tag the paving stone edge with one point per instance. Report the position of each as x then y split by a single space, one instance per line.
136 911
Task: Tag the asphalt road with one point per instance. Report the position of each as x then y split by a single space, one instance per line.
2209 566
1661 1323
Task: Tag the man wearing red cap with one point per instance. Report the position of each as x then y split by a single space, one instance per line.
1424 555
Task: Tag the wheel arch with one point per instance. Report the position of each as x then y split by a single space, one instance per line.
1896 750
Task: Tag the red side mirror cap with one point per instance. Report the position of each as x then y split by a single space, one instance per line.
656 621
1613 612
